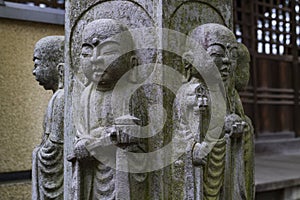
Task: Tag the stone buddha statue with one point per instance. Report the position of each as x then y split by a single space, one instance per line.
105 57
225 169
48 165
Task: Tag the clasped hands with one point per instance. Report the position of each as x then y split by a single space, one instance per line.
113 135
234 125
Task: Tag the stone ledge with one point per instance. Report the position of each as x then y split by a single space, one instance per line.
277 146
276 135
277 171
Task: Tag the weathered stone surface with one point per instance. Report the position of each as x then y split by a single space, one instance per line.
227 166
132 15
47 164
100 164
103 64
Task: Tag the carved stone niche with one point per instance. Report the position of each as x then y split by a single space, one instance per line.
85 20
88 101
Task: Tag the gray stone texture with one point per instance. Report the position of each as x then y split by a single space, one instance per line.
225 173
226 170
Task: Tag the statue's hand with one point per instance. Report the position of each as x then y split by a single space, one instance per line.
111 133
191 100
123 136
80 151
200 152
234 125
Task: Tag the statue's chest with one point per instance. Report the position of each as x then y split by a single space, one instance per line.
100 109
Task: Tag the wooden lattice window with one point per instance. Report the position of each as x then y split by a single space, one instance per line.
274 28
271 31
276 22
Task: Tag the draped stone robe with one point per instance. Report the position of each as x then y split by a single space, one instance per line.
48 166
239 172
94 179
189 181
94 116
228 173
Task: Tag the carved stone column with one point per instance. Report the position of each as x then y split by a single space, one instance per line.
154 46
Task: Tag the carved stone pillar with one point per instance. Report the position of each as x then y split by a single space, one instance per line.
159 52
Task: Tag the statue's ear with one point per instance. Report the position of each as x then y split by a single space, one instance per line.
242 71
61 69
134 62
187 59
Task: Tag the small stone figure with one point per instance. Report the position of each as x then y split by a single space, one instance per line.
242 72
48 165
241 80
105 58
228 167
191 114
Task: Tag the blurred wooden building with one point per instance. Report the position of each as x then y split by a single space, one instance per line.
271 31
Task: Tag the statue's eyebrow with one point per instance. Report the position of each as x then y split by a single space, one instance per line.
218 44
100 44
87 45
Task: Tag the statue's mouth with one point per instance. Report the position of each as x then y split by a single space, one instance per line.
98 74
40 81
225 73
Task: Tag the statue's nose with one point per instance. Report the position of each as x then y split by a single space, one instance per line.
97 60
226 60
34 72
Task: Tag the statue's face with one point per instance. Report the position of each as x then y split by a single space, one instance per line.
224 56
44 73
101 62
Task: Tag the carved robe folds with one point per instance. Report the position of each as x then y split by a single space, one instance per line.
95 116
48 165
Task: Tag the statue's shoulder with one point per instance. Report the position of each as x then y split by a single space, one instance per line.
60 94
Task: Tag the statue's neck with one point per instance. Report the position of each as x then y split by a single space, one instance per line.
54 89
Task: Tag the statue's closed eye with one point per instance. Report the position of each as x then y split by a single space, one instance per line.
217 54
216 51
234 53
85 55
108 53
